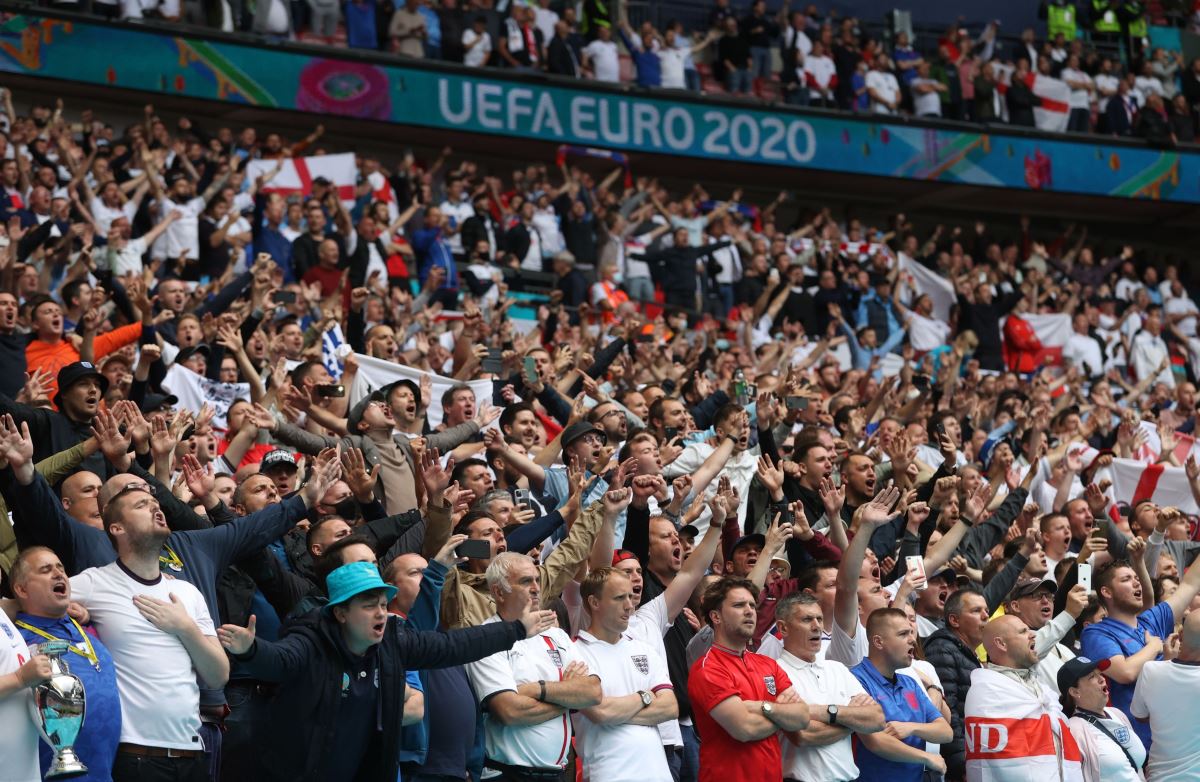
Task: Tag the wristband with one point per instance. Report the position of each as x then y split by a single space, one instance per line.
542 693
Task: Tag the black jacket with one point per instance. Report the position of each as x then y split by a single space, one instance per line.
1119 123
1154 127
310 661
53 432
984 320
954 663
561 59
478 228
305 253
12 363
674 268
1021 101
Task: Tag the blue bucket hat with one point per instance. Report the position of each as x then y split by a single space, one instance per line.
354 578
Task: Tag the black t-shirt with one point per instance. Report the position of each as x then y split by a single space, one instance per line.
213 260
355 726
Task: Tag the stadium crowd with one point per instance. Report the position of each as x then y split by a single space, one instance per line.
658 485
1093 60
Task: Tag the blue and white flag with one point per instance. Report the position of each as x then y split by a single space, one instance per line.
331 340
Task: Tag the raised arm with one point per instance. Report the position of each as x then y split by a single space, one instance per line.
681 588
526 466
845 604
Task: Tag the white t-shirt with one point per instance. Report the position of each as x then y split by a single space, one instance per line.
1180 305
127 260
183 235
19 738
544 19
1080 98
550 231
1101 754
1126 289
459 213
649 624
822 682
818 73
606 64
1084 349
160 698
277 18
1149 85
740 469
478 53
925 334
1171 687
1106 85
542 657
673 62
888 88
846 650
926 103
625 667
789 41
105 215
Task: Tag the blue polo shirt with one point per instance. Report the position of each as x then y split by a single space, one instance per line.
1109 638
97 741
903 700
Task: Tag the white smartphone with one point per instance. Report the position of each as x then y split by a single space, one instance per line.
916 565
1085 575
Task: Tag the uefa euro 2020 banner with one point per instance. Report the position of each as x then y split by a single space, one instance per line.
374 88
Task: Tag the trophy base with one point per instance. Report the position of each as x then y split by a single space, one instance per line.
66 765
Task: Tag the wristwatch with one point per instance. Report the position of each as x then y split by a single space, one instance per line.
833 712
768 709
647 698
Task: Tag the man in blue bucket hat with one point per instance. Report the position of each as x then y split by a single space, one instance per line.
339 715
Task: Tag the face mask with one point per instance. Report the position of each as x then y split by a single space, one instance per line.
347 509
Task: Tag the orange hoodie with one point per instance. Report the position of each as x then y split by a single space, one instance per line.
53 356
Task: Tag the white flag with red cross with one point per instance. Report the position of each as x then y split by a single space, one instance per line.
297 175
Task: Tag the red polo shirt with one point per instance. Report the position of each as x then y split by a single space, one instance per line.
720 674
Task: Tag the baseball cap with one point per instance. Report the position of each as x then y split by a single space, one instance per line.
277 457
1075 669
73 373
354 578
689 530
187 353
360 409
1030 586
152 403
620 555
322 181
746 540
580 429
387 390
785 561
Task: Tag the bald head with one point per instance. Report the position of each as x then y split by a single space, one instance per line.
119 483
1190 638
79 498
1009 642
